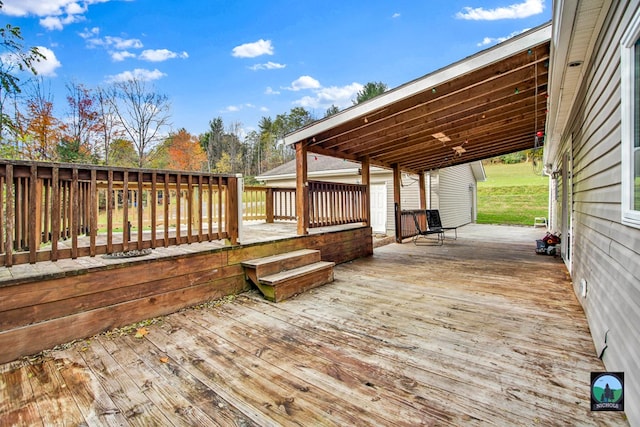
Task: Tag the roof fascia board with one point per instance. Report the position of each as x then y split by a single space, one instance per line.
560 97
316 174
477 61
479 173
564 14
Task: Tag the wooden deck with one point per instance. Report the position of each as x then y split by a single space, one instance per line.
479 331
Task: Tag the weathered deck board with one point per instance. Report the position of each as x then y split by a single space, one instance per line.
475 332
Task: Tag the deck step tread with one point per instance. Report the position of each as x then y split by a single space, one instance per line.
282 276
279 257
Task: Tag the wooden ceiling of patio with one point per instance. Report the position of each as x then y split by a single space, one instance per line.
490 111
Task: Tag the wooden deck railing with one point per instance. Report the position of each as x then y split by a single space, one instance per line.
268 204
408 224
52 211
333 203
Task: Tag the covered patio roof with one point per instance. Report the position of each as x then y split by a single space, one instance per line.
489 104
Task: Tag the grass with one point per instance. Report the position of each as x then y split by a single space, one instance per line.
512 195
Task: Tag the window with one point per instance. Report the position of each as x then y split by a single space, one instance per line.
630 62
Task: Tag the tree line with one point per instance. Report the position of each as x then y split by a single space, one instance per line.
127 124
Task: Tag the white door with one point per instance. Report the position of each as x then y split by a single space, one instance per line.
378 208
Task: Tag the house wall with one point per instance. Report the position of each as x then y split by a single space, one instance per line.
605 253
456 194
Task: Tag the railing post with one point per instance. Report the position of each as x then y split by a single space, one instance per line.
233 212
239 192
268 206
10 216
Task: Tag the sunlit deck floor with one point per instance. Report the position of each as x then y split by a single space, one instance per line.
480 331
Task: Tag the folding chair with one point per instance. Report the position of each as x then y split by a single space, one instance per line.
434 221
425 232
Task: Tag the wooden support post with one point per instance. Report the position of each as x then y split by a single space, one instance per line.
397 184
366 180
232 214
302 189
423 191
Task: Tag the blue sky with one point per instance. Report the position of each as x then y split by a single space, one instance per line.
242 60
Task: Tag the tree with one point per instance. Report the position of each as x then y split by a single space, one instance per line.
82 123
15 57
211 142
43 128
123 153
185 152
370 90
142 115
107 121
332 110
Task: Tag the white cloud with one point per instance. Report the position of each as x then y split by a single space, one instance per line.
48 65
304 82
267 66
340 96
138 74
122 55
251 50
90 33
159 55
396 15
264 109
515 11
58 23
109 42
269 91
45 67
120 43
231 109
491 40
55 13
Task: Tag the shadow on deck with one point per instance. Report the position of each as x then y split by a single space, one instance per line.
478 331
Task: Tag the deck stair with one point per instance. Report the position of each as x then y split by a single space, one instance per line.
280 276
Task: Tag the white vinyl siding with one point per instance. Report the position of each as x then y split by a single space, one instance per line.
606 252
630 73
456 191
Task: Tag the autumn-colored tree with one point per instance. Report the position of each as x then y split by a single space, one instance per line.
43 128
186 153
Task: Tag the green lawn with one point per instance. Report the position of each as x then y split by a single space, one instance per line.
512 194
